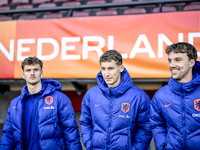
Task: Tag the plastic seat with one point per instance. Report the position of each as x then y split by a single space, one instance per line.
5 8
60 1
192 7
44 5
106 12
27 17
120 1
20 1
122 8
5 18
24 6
71 3
52 15
40 1
93 2
90 2
135 11
165 9
80 14
3 2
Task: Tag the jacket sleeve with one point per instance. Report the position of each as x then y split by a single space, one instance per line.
143 135
7 142
158 125
86 123
68 124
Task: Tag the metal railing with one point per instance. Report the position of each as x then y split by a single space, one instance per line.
160 3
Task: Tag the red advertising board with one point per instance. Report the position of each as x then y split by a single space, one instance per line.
71 47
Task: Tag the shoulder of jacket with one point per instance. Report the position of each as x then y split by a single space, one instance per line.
17 99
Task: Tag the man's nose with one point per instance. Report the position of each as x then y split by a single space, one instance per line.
32 71
172 64
106 72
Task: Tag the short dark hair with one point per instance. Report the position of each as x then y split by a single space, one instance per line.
31 61
111 55
182 47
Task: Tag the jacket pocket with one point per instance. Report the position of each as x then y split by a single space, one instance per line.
121 140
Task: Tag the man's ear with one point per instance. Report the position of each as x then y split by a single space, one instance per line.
121 67
192 62
23 76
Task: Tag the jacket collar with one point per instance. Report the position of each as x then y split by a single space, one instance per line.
50 84
188 87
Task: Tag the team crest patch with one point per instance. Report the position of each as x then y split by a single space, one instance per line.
197 104
49 100
125 107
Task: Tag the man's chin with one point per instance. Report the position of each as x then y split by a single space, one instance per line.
175 78
33 82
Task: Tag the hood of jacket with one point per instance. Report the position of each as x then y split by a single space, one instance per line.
51 85
123 86
178 87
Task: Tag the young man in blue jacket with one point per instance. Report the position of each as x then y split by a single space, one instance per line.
42 117
175 108
115 113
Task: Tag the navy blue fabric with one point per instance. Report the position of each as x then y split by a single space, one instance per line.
175 118
30 120
57 126
115 118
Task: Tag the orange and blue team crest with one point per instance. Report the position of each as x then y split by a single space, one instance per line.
197 104
49 100
125 107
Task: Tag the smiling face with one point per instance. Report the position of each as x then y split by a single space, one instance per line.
180 66
111 72
32 74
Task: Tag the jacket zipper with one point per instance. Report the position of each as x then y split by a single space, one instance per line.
183 114
110 119
38 123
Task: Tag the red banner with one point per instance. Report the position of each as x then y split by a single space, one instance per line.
71 47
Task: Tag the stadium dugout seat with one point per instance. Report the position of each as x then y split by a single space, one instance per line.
27 17
20 2
135 11
3 2
95 2
40 1
165 9
52 15
74 3
106 12
149 8
80 14
121 9
60 1
44 5
29 6
5 18
192 7
17 15
120 1
4 7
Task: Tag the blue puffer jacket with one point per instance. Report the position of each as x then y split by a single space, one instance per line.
175 114
115 118
58 129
